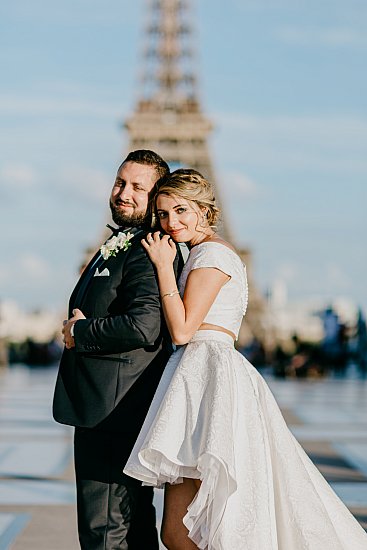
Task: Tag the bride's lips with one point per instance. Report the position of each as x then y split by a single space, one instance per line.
175 232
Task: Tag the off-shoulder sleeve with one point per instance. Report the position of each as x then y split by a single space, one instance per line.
214 255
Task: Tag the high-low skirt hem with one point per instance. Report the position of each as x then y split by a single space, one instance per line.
214 418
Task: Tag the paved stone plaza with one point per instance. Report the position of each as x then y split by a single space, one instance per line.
37 496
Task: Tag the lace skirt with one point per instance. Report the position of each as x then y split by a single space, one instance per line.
214 418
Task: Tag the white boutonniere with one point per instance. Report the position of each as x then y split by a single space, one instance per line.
118 242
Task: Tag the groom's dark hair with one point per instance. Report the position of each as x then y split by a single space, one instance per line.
145 156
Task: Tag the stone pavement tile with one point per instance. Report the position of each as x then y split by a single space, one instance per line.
356 454
291 418
354 495
41 509
34 458
332 465
10 525
49 528
40 492
69 473
361 515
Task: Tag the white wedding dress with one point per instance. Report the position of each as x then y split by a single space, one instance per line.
213 417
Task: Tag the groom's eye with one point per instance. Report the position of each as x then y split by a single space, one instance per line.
119 183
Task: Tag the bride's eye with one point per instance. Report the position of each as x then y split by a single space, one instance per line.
181 210
162 215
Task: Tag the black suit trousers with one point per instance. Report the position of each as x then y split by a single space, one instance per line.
115 512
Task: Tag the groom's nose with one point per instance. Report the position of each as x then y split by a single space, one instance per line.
125 192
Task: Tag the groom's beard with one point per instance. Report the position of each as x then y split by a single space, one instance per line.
129 220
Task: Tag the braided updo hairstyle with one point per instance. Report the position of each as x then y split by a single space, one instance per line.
190 185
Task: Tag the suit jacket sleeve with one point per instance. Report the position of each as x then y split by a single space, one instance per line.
135 317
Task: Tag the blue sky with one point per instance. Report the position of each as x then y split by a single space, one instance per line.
285 84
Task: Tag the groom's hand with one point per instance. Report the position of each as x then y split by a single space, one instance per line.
68 338
68 331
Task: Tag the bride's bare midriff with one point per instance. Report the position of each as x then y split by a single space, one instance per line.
208 326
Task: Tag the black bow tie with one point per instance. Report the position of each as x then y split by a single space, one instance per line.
134 230
116 229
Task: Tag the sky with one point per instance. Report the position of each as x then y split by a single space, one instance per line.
284 82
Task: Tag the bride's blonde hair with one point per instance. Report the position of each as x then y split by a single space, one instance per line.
191 186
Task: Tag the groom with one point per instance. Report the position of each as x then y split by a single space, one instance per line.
116 348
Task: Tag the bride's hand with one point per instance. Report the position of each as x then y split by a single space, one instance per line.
161 251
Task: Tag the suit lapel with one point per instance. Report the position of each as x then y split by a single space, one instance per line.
86 276
96 263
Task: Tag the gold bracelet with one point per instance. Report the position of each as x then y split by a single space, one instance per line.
170 293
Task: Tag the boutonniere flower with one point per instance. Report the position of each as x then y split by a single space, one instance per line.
118 242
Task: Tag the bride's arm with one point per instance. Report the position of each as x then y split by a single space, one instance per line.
183 317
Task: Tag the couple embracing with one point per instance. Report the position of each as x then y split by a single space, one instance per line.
200 422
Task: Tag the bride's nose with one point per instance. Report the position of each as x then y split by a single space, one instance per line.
172 220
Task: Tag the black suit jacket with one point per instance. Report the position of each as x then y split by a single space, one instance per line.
108 380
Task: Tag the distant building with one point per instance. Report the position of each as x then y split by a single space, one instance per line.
17 325
305 318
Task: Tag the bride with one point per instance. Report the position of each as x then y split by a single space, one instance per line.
235 478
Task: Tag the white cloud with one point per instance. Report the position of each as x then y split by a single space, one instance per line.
337 277
309 125
5 275
37 280
87 183
260 5
73 13
327 143
34 266
286 271
77 182
241 186
341 12
28 267
23 105
315 37
18 175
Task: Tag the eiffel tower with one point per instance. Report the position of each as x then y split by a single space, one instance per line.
168 117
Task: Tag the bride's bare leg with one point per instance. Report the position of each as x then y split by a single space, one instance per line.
176 500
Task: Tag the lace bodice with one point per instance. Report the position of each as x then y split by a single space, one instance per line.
230 304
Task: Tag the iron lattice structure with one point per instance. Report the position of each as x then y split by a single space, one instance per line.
168 117
168 113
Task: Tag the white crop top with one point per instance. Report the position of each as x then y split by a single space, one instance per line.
231 302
